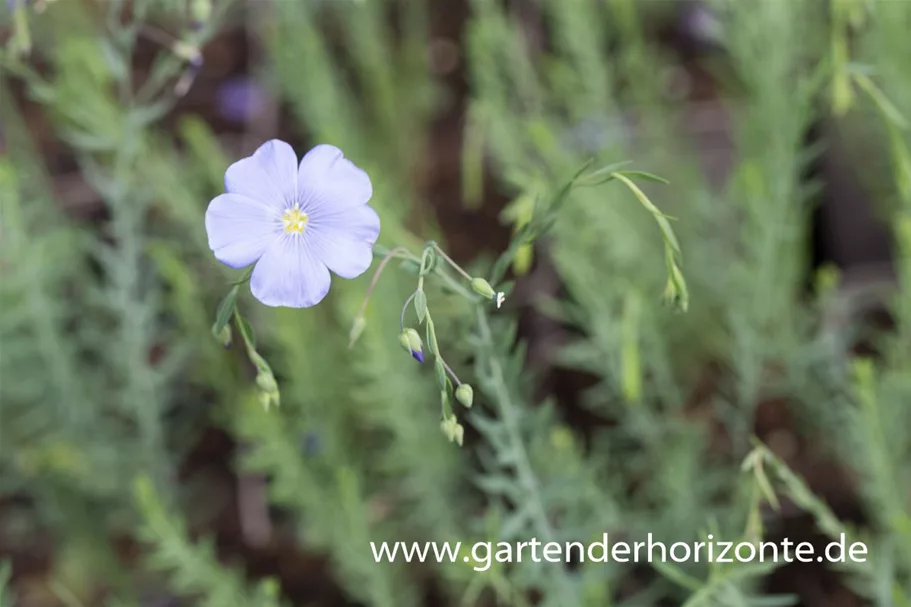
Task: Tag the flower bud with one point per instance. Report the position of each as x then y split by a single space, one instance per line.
448 426
411 342
482 287
200 11
458 434
187 52
675 291
453 430
224 336
465 395
266 382
265 399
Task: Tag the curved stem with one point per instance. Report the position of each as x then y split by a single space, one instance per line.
449 260
376 277
404 309
451 373
455 286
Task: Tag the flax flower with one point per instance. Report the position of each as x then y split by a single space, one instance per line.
296 222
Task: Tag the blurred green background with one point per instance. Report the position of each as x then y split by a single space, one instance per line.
137 467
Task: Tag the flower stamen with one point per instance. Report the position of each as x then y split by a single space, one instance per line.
294 220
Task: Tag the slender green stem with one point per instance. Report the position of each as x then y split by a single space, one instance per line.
450 372
376 277
449 260
244 278
455 286
405 309
249 344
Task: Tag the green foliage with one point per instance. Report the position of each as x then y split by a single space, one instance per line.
194 569
683 302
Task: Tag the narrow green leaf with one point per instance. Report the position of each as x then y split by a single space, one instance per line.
677 575
889 111
224 312
609 169
645 176
663 224
440 371
428 260
420 305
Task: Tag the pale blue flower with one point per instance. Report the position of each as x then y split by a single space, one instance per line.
295 222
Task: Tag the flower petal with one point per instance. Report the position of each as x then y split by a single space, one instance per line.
343 241
240 229
329 183
270 175
288 274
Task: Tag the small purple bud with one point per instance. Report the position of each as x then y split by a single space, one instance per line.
239 99
411 343
200 10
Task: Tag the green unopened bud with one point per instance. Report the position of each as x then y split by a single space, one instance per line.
453 430
411 343
675 291
447 426
187 52
224 336
458 434
483 288
266 382
201 11
465 395
403 341
357 327
269 398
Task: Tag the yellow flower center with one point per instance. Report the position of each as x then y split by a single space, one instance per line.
294 220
